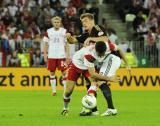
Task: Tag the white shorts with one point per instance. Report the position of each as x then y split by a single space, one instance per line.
110 65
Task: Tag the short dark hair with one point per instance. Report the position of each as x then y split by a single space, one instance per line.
100 47
88 15
128 50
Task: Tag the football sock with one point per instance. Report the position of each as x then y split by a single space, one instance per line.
107 94
92 90
53 83
88 86
66 102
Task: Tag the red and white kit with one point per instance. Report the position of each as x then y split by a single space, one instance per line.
87 57
56 52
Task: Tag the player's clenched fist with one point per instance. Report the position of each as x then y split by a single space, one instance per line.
70 38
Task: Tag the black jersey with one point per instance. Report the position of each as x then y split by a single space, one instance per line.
96 31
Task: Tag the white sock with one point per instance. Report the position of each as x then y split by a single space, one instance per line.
92 89
53 83
66 102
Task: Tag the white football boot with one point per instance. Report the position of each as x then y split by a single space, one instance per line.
109 112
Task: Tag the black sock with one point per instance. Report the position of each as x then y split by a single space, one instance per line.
88 86
107 94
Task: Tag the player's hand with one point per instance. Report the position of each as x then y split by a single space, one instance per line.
87 42
128 69
70 39
68 35
114 79
45 59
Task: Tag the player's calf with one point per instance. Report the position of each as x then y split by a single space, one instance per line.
107 94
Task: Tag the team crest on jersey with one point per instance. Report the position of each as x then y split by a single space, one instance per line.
100 33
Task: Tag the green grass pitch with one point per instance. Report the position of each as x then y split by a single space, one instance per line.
39 108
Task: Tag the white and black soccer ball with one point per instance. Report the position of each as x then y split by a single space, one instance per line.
89 101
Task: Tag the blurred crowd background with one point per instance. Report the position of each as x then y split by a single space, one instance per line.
24 22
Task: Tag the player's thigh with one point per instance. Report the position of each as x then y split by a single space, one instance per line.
110 66
51 65
72 77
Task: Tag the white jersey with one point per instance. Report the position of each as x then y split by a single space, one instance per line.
110 65
56 41
87 57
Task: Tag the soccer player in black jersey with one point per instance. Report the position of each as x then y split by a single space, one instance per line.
92 32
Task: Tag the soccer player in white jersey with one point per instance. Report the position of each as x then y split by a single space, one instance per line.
83 62
55 44
106 64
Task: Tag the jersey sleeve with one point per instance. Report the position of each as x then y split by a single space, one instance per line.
112 46
89 60
99 31
46 38
82 38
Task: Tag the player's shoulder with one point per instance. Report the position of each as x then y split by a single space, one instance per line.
100 30
89 54
98 27
50 29
62 30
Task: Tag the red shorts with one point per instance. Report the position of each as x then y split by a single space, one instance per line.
56 63
74 73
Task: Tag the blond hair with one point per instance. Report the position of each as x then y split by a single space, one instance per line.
56 18
88 15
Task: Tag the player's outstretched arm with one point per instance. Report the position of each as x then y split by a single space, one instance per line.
125 60
123 56
95 39
101 38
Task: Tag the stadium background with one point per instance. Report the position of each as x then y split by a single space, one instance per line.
134 25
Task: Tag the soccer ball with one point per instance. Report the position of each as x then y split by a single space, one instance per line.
89 101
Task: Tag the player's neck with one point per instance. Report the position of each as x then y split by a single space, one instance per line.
89 30
56 29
